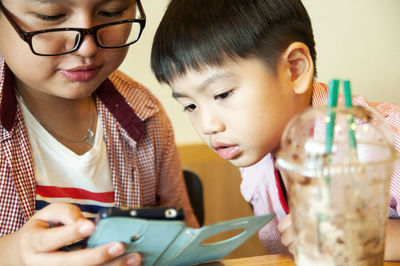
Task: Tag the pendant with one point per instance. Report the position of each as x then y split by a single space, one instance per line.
90 137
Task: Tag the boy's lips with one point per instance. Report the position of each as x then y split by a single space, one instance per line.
225 151
80 73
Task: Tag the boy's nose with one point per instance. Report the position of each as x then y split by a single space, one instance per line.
211 123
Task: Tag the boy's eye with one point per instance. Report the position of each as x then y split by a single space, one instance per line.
189 108
223 95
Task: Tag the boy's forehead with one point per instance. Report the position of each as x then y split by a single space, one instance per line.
211 73
201 77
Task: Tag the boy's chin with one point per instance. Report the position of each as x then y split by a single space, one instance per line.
244 162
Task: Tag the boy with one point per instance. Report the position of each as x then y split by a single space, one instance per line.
74 130
242 70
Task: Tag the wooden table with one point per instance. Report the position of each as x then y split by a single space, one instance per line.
267 260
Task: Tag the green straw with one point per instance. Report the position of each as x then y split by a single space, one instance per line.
333 92
330 130
332 103
349 104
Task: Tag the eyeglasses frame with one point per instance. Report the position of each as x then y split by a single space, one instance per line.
27 36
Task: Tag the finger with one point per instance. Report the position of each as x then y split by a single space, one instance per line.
60 213
51 239
285 223
90 256
73 226
291 249
133 259
288 237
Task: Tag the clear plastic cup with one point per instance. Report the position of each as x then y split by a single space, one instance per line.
338 185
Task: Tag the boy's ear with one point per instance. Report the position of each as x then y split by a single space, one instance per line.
299 65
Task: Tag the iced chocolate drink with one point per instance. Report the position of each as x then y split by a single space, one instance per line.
339 200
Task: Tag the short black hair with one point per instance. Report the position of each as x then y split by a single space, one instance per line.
195 33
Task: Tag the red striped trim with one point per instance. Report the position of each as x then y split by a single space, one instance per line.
74 193
282 197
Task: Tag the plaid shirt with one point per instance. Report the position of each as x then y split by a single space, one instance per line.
260 187
143 158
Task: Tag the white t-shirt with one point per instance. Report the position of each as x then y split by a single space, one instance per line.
64 176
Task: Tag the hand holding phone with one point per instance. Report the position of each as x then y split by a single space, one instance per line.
38 243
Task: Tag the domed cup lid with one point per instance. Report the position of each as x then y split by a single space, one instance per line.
331 141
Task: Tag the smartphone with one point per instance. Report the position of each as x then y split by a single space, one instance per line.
152 213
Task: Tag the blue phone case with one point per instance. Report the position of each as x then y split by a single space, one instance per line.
163 242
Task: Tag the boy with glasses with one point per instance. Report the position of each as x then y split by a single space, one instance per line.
75 130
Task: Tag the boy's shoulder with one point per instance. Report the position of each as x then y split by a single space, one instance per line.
389 111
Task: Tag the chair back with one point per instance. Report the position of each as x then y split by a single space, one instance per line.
194 188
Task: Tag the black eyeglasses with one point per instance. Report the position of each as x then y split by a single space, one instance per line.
59 41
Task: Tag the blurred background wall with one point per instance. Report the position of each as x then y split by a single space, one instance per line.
356 39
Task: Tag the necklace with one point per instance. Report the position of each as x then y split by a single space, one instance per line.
88 138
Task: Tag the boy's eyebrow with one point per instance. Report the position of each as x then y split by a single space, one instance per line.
204 84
